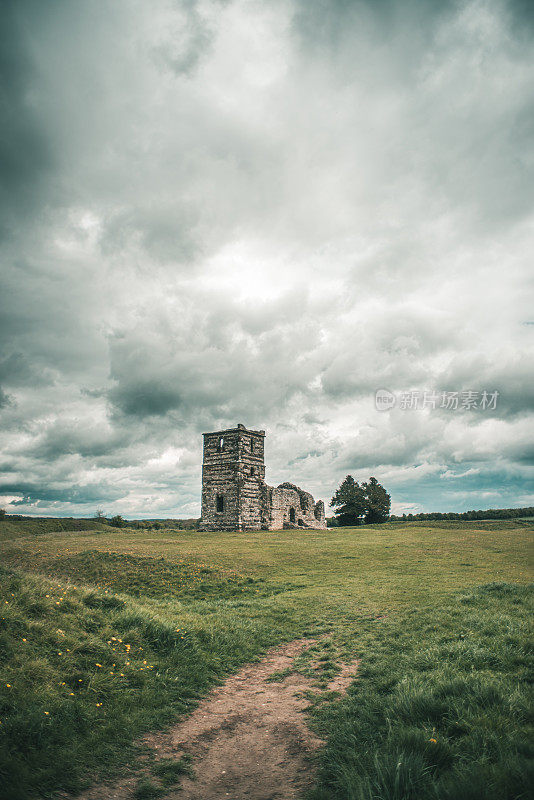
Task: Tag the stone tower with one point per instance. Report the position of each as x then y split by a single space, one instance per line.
234 494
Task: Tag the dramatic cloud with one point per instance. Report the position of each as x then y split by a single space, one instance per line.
218 212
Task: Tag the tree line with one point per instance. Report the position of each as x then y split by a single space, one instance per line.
118 521
489 513
354 504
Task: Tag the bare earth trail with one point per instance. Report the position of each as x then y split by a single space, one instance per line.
248 738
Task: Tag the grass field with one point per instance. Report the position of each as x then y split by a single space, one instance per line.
107 633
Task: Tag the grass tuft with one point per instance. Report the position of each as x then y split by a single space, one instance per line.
171 771
146 790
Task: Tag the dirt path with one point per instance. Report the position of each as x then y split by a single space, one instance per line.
247 739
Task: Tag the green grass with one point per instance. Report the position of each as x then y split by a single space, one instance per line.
169 772
10 527
106 634
144 576
147 789
442 708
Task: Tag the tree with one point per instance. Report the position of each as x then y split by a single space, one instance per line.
377 502
354 503
117 521
2 513
99 515
349 502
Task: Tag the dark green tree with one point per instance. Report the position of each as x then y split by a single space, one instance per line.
377 502
349 502
117 521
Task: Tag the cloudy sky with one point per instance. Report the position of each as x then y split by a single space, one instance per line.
262 212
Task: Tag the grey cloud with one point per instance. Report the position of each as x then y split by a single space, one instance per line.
140 398
15 370
262 213
32 494
522 17
89 442
188 41
166 234
328 23
4 398
25 155
223 360
508 373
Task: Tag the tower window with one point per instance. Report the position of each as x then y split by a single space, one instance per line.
292 515
220 503
221 444
252 471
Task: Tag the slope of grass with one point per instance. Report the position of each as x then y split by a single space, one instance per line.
145 576
106 634
10 527
84 671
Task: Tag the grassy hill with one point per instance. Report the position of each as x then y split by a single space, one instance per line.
106 633
13 526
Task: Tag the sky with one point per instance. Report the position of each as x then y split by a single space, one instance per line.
234 211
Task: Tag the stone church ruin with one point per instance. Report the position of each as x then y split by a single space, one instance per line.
235 495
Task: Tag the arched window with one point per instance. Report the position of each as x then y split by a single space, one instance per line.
220 503
252 471
221 444
292 515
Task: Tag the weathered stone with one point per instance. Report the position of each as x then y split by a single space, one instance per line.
235 495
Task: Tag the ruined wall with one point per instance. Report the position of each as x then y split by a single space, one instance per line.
255 507
291 506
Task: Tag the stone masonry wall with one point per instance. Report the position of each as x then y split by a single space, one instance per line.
292 506
233 469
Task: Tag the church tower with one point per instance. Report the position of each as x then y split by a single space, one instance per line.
234 494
